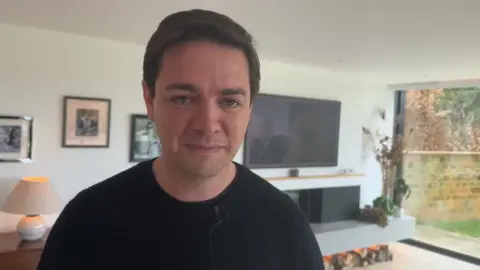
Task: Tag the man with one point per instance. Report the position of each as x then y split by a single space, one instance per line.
191 208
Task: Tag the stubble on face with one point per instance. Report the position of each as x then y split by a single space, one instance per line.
201 107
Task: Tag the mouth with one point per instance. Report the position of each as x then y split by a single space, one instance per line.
204 149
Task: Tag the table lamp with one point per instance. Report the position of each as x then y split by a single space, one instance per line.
32 197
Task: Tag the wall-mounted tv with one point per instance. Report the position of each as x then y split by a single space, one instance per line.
292 132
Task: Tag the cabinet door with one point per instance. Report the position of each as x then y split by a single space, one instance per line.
20 260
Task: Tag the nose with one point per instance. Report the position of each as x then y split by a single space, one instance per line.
207 118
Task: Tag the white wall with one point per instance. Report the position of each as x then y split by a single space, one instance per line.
38 67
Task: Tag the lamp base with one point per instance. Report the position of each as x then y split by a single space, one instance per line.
31 228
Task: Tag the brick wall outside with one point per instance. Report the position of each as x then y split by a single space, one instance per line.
445 186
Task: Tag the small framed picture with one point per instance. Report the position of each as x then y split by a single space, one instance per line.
144 141
86 122
16 138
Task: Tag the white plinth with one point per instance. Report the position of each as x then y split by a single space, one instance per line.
343 236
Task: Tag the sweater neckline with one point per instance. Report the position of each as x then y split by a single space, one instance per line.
206 205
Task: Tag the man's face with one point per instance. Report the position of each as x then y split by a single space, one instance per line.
201 106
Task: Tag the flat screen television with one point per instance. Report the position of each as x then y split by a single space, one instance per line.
292 132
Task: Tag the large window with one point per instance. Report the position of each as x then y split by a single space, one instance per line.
442 165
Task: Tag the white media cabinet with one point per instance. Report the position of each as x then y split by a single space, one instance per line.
336 237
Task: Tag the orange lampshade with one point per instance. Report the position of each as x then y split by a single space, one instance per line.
33 196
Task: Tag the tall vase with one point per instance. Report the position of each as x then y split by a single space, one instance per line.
397 197
398 200
388 178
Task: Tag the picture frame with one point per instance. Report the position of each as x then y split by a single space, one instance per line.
86 122
144 141
16 136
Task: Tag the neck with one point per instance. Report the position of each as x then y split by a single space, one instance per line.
189 188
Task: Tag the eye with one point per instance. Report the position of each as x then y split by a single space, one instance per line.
231 103
181 100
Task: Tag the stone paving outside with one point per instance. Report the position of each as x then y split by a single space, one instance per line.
407 257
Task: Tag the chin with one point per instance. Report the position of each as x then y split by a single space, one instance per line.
204 168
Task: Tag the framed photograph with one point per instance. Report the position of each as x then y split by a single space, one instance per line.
86 122
16 138
144 141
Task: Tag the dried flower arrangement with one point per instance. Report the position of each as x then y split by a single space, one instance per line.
388 151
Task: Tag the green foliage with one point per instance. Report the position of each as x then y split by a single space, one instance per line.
469 228
385 203
461 108
459 101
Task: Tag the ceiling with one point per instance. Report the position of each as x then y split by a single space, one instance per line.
410 36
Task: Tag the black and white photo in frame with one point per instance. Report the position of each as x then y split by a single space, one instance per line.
144 141
16 138
86 122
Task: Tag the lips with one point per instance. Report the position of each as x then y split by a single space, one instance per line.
204 148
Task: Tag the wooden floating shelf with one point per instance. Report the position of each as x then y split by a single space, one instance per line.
317 181
442 153
313 177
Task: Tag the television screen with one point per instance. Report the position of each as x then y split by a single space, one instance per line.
290 132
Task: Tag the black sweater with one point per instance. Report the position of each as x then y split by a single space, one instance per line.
129 222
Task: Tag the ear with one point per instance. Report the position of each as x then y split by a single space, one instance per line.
149 99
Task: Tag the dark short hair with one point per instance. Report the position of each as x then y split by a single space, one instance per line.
197 25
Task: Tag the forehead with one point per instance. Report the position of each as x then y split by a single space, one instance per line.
205 65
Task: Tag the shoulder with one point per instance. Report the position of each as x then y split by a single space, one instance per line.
112 190
272 209
125 181
267 198
259 186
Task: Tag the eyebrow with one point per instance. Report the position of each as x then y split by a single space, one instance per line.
182 86
193 89
233 92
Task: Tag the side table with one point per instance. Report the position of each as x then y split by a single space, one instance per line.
16 254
